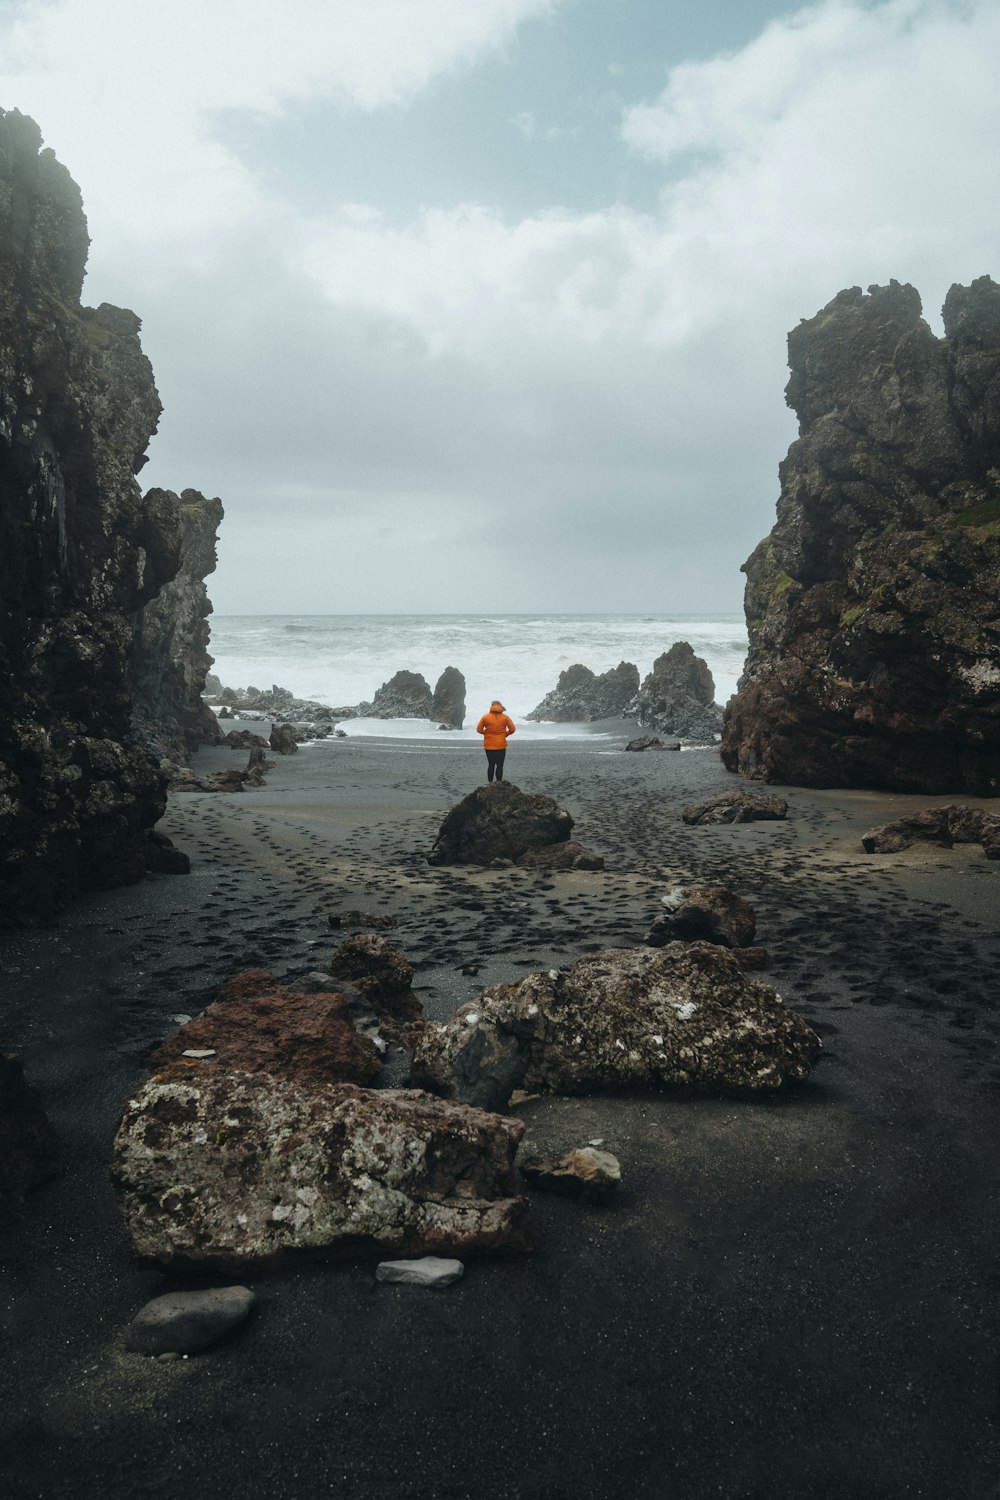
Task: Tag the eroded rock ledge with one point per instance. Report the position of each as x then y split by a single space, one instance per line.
873 607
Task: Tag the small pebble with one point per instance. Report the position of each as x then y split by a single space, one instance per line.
429 1270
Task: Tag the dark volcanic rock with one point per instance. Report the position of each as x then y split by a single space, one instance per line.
944 826
499 821
240 1169
448 703
568 855
735 807
405 696
715 914
81 551
651 742
580 696
169 660
285 739
683 1015
873 607
678 696
28 1150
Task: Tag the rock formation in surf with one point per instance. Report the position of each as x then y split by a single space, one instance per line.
581 696
82 552
678 696
873 607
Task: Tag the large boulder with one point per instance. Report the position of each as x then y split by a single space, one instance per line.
448 702
499 821
28 1148
678 696
407 695
872 606
581 696
685 1015
234 1170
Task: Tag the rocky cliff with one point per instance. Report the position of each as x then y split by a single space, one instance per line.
81 551
169 660
873 607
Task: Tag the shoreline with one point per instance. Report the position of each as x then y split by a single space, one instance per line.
788 1293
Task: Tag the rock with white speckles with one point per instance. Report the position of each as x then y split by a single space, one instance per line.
238 1169
685 1015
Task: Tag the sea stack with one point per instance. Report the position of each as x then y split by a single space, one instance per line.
873 607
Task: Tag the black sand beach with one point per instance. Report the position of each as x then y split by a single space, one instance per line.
790 1297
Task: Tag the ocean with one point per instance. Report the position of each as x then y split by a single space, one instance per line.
343 659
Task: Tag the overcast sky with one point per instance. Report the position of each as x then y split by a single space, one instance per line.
482 304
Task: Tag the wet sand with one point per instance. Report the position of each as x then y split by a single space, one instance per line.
795 1296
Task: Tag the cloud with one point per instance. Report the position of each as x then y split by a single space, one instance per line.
587 404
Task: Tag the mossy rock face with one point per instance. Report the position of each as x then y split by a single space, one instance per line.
871 660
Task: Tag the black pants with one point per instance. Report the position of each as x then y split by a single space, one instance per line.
494 764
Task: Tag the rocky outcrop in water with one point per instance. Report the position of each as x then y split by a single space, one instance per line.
678 696
407 695
581 696
873 607
448 703
81 551
169 660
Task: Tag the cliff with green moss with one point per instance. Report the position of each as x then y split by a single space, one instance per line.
82 552
873 607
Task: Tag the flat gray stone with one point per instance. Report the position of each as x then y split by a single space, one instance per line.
429 1270
184 1322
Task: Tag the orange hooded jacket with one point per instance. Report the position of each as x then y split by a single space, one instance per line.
495 728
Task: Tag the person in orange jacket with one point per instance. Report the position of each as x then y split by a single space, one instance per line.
496 729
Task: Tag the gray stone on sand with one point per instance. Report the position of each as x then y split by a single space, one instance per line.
185 1322
429 1270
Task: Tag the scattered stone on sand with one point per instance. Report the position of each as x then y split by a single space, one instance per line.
260 1026
499 821
651 742
428 1270
585 1172
566 856
735 807
684 1015
187 1322
713 914
373 919
163 857
285 739
29 1152
240 1169
944 826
